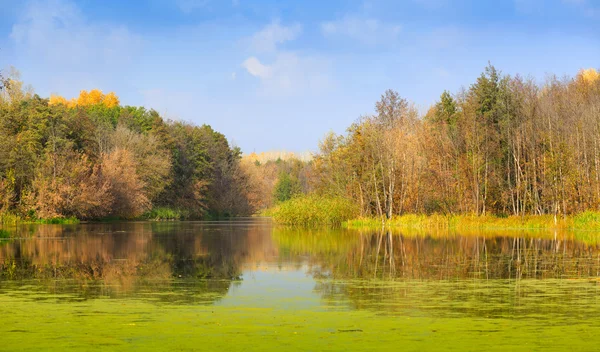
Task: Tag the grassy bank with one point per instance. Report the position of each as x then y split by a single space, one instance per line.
166 214
584 221
13 219
313 210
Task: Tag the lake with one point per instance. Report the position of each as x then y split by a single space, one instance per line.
247 285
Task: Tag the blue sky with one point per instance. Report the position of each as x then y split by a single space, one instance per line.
280 74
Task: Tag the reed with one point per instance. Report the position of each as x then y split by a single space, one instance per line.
14 219
313 210
585 221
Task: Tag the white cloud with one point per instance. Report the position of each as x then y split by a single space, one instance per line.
365 30
58 33
267 39
287 72
290 74
255 68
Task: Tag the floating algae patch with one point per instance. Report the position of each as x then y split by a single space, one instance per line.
131 325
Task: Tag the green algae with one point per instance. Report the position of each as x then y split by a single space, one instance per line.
33 324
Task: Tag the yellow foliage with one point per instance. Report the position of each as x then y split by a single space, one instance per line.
94 97
588 76
82 100
251 157
85 98
111 100
72 103
57 100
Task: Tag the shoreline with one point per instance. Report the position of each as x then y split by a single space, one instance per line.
588 220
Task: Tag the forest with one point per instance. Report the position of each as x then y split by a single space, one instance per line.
505 145
92 158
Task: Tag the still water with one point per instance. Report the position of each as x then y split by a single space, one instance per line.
247 285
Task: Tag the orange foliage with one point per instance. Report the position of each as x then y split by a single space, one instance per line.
82 100
94 97
72 103
71 187
111 100
85 98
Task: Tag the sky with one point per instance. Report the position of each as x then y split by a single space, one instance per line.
279 75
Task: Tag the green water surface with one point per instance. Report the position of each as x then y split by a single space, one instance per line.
248 286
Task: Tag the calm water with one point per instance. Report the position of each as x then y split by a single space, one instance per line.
246 285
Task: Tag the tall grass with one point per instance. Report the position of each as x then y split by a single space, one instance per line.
313 210
585 221
13 219
69 220
9 219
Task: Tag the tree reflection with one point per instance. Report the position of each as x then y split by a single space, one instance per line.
490 274
114 259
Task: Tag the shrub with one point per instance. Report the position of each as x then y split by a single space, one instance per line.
166 213
4 234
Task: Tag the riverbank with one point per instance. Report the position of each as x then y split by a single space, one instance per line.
155 214
585 221
12 219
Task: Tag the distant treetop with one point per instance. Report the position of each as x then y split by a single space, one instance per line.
93 97
589 76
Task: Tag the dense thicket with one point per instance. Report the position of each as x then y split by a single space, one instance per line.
93 158
505 145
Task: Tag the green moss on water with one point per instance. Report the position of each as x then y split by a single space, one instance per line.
411 316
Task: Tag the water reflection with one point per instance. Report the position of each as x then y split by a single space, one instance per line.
133 258
384 255
490 276
200 262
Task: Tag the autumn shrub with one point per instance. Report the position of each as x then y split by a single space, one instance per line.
153 165
126 187
69 188
314 210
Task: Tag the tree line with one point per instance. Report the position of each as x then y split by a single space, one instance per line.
90 158
505 145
